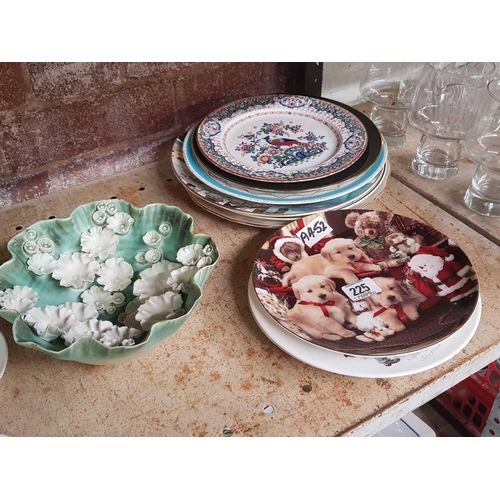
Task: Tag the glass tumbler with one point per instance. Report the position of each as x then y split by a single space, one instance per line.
389 88
483 147
443 109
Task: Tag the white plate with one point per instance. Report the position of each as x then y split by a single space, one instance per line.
359 366
273 219
282 138
204 191
273 197
4 354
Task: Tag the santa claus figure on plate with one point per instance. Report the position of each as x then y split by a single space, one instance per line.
436 273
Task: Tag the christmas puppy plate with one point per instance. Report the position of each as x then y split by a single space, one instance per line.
365 283
358 366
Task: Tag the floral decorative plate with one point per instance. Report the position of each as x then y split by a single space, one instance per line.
344 177
282 138
276 197
365 283
369 366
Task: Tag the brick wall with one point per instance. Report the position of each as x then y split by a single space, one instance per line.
63 124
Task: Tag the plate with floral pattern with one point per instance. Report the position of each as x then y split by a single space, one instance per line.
365 282
248 193
282 138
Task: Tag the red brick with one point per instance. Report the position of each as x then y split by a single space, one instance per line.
41 137
149 69
59 80
12 86
156 150
90 169
198 94
22 189
243 80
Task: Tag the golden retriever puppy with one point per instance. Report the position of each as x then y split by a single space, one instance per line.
346 259
320 310
339 258
396 303
307 266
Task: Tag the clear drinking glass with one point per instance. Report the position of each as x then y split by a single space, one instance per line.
389 88
443 109
483 147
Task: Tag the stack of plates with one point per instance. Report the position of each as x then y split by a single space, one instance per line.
335 298
264 161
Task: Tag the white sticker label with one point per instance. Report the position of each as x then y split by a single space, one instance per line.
314 231
361 289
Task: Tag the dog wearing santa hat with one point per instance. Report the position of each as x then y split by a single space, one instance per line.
436 273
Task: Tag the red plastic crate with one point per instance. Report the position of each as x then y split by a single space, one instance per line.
470 401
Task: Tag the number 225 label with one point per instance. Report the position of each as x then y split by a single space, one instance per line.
361 289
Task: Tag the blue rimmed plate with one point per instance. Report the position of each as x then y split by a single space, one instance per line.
282 138
277 197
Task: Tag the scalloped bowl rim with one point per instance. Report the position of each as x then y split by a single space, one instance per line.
14 317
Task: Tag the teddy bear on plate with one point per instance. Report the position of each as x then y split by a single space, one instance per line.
371 228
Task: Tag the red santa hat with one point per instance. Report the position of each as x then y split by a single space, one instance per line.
429 250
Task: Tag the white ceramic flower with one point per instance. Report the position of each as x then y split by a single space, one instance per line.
181 278
97 297
152 238
159 308
120 223
153 281
128 317
75 269
153 255
30 234
164 228
46 245
87 328
115 274
30 247
112 208
190 254
99 242
83 312
208 249
42 263
115 335
19 298
204 261
99 217
141 257
51 321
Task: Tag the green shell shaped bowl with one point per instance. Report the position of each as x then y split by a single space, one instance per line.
177 230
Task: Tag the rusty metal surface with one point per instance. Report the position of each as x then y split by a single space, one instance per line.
219 374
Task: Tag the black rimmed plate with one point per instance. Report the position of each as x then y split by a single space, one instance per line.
351 173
